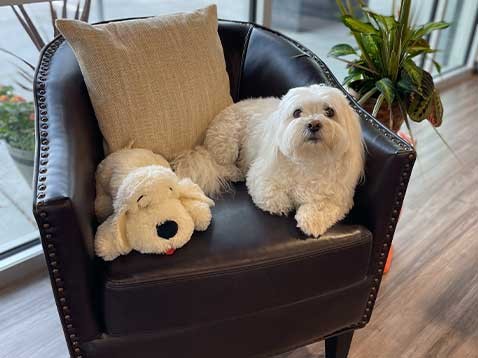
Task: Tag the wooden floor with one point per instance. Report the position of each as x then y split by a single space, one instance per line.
428 303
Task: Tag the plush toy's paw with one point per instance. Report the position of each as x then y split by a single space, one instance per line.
311 222
103 249
109 239
200 213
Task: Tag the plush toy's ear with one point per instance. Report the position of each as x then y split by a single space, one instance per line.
110 238
190 190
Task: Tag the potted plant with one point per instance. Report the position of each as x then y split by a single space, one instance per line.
383 73
16 114
17 128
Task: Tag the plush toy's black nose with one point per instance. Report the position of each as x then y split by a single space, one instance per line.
167 229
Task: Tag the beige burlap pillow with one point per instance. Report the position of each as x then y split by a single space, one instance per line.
157 81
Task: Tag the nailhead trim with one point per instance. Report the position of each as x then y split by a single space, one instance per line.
405 176
44 224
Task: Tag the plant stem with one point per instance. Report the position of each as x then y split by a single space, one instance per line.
353 64
378 104
367 95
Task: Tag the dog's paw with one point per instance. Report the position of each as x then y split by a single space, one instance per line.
311 222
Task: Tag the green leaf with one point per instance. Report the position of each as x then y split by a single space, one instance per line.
356 25
420 103
405 85
437 66
385 22
413 71
436 114
355 76
371 44
341 50
385 86
415 51
428 28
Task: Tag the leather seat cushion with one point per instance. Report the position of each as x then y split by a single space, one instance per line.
246 262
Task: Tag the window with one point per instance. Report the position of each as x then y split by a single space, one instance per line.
316 24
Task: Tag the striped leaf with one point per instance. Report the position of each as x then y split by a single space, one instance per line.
342 50
385 86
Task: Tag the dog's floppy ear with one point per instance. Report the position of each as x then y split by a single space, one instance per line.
354 129
189 190
110 238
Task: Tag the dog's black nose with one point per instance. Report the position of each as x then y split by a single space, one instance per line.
314 126
167 229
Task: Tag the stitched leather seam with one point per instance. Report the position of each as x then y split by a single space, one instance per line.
238 317
243 58
128 283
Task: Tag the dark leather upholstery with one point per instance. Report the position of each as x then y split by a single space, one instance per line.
250 286
231 269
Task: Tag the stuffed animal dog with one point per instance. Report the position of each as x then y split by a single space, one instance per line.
146 206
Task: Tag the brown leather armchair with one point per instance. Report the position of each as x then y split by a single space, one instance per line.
251 285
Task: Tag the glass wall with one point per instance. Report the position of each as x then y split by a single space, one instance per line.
116 9
317 25
455 42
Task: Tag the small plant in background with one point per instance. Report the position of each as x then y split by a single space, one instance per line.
25 68
387 81
16 120
17 126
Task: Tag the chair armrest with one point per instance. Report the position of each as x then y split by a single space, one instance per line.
69 146
379 197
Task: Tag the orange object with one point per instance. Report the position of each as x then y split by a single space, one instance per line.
389 261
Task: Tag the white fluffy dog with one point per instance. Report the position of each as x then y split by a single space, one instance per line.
303 152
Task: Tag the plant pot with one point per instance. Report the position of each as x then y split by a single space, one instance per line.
24 162
383 114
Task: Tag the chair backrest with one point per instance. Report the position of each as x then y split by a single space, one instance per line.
263 63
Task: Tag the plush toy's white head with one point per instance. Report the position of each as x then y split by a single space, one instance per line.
150 215
315 122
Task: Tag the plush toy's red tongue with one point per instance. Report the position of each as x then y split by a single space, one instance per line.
170 251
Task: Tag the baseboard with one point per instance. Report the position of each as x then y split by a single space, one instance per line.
21 265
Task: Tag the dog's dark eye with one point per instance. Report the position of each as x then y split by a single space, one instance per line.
170 188
329 112
297 113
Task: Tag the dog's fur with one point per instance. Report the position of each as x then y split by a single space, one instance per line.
287 166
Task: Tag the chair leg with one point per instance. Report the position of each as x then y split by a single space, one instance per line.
338 346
